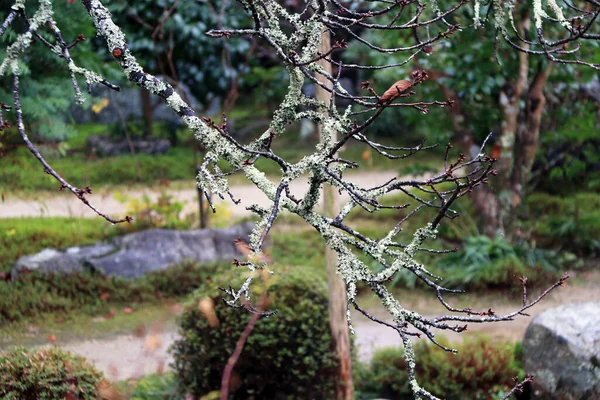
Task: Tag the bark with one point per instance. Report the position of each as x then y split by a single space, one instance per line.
528 139
337 288
147 112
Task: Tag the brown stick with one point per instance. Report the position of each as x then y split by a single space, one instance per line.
240 346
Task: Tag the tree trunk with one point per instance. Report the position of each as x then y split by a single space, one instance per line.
527 140
337 288
147 112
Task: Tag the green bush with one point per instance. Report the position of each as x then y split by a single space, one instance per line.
576 217
153 387
288 355
481 370
47 373
36 293
483 263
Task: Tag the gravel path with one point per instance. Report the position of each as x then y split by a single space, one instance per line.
67 205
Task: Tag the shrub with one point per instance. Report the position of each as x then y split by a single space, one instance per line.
154 387
38 293
481 369
483 262
576 217
46 373
288 355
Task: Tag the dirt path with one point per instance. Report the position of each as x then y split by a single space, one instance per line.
66 205
127 356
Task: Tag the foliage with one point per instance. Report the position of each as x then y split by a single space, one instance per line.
47 373
45 98
557 217
23 236
163 213
36 293
156 387
182 35
486 263
288 355
481 370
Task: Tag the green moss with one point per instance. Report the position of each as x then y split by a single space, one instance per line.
35 294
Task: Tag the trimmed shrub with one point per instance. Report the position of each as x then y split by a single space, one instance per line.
288 355
481 370
47 373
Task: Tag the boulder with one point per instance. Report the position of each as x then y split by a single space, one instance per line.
135 254
562 350
54 261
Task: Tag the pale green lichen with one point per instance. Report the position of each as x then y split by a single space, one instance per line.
295 106
559 14
538 13
14 52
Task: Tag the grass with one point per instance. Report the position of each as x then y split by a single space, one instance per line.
82 325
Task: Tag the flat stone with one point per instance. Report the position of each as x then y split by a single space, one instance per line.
138 253
55 261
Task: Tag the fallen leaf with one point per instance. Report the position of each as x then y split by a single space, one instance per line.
207 306
152 342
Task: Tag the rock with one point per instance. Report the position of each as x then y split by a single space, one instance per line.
562 350
105 146
54 261
135 254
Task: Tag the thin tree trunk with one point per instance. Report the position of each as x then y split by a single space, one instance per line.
337 288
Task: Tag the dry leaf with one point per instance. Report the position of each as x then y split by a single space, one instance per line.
207 307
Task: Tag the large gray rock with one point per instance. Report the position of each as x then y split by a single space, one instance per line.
137 253
71 260
562 350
